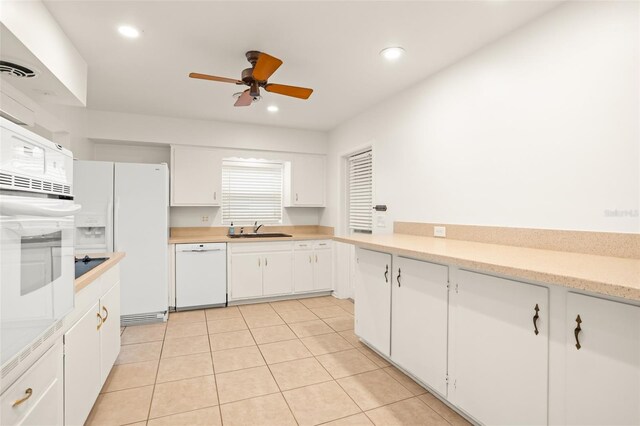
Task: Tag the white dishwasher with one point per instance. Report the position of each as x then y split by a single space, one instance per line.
201 275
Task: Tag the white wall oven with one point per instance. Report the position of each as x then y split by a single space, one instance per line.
36 243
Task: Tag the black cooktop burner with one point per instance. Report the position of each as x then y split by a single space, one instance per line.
87 263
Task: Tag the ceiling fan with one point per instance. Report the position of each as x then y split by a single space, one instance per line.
262 67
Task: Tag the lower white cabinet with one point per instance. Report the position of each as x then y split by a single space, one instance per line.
245 277
373 299
500 350
312 266
602 362
277 272
419 320
36 398
109 331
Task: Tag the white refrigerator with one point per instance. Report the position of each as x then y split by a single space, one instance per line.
125 207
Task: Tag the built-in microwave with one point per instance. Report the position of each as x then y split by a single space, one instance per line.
36 243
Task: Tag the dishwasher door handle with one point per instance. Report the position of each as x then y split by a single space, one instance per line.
201 251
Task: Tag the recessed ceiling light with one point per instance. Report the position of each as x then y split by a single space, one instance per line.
392 53
272 108
129 31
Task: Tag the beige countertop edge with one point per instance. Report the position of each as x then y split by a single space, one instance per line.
225 239
609 276
96 272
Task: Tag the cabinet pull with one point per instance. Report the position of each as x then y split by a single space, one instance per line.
316 258
398 277
258 262
215 195
106 312
386 274
100 320
296 196
27 393
310 259
266 263
577 331
535 319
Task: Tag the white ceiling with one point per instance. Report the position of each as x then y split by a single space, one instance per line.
331 47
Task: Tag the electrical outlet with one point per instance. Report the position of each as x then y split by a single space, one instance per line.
205 218
439 231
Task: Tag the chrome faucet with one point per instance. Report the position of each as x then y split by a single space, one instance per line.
256 227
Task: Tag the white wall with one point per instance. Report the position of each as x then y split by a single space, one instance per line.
539 129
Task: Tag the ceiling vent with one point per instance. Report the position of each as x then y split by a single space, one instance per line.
16 70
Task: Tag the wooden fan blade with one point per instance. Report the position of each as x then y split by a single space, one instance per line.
213 78
245 99
294 91
265 66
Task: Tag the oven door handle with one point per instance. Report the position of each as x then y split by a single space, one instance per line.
11 208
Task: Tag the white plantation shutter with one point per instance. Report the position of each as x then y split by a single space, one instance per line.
361 192
251 191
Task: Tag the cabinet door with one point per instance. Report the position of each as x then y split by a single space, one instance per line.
603 376
196 177
246 275
110 331
277 273
307 181
82 367
501 365
419 320
373 299
303 270
323 279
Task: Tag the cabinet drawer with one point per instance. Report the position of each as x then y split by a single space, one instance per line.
261 247
322 244
44 405
303 245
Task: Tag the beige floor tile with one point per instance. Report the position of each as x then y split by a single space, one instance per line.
272 334
329 312
443 410
269 410
405 381
342 323
351 337
377 359
222 313
310 328
127 376
187 316
318 302
183 395
373 389
143 333
121 330
284 351
268 320
320 403
237 359
350 308
346 304
185 346
122 407
326 343
408 412
203 417
357 420
299 315
298 373
179 329
286 305
231 340
256 309
226 325
243 384
139 352
184 367
346 363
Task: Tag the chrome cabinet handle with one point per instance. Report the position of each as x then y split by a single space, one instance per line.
535 319
215 195
316 258
577 331
386 274
104 308
27 393
258 262
296 196
398 277
310 259
100 321
266 261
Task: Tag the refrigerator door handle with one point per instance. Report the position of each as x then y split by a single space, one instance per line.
109 243
115 225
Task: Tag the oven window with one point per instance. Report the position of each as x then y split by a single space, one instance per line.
41 261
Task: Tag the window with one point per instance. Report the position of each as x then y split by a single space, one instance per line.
361 192
251 191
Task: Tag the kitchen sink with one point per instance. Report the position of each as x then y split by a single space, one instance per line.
259 235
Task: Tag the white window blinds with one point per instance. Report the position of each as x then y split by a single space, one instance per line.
361 192
251 191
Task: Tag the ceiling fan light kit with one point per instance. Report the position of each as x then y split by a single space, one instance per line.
262 67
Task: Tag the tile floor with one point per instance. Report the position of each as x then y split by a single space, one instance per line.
281 363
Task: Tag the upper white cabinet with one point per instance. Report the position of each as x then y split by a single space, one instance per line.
373 299
419 320
196 176
304 180
501 341
602 362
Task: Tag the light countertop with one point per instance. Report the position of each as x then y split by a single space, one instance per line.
86 279
225 239
611 276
